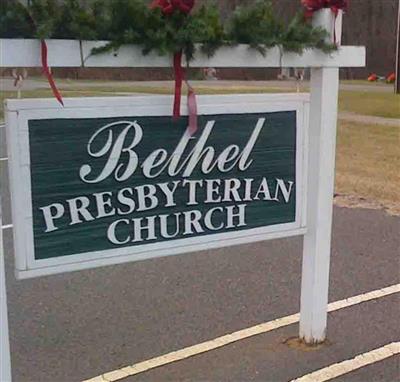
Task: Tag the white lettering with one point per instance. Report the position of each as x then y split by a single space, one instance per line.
263 190
169 193
139 227
280 185
208 219
111 232
126 201
240 214
231 190
103 201
164 226
49 216
228 155
192 221
192 190
144 193
115 151
244 163
154 160
78 207
213 190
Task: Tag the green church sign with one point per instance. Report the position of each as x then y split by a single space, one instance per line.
105 181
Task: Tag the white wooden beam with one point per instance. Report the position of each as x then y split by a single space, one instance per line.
242 56
26 53
66 53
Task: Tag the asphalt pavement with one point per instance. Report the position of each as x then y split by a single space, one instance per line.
75 326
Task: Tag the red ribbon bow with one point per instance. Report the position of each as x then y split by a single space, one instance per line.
315 5
169 6
184 6
335 5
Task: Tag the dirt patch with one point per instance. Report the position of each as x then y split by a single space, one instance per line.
296 343
353 201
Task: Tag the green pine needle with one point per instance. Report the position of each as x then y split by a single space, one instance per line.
133 22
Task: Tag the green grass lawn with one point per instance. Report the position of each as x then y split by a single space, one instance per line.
378 104
200 89
367 162
367 83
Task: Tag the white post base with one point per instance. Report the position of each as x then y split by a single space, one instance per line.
321 173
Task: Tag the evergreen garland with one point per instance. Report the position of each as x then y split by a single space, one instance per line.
258 27
15 21
300 35
133 22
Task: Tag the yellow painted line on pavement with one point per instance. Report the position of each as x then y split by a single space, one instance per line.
344 367
227 339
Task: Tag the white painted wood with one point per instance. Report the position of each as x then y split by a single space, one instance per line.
126 56
272 101
324 88
246 57
66 53
160 252
26 53
18 113
326 19
321 173
5 360
17 210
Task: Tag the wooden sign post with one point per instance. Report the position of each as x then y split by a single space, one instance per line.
324 88
122 182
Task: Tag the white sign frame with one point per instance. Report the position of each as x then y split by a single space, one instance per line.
19 112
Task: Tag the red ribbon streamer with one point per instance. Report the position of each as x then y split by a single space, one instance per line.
192 107
179 74
45 67
184 6
46 71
